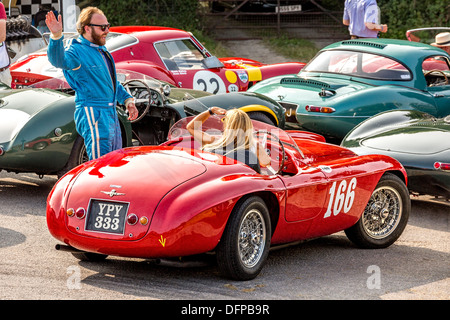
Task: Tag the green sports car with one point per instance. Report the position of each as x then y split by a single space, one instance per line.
37 128
419 141
350 81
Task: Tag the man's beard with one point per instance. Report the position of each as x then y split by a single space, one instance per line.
97 39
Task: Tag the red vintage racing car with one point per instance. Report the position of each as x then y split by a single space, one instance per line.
171 55
175 200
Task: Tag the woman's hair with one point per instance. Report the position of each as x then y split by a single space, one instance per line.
237 133
85 18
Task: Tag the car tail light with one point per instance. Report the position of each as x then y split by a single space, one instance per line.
2 151
143 220
442 166
70 212
80 213
132 219
319 109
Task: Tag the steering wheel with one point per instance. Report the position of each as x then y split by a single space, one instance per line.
437 71
142 95
275 156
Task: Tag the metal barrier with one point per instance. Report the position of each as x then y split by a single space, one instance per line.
305 17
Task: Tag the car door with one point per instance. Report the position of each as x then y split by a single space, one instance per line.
306 193
441 95
330 191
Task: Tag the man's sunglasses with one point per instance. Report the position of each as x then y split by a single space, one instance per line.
103 27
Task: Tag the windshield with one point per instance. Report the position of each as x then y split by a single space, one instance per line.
278 144
180 54
214 126
425 35
360 64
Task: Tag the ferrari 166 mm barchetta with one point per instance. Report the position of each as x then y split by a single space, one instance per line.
176 200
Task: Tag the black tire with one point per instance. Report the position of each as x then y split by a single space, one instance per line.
259 116
244 246
77 156
385 216
89 256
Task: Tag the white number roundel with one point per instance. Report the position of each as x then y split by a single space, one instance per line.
208 81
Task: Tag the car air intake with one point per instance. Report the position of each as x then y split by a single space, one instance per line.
363 43
299 81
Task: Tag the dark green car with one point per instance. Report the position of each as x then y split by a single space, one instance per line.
350 81
419 141
37 128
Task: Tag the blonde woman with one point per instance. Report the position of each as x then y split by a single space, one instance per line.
237 140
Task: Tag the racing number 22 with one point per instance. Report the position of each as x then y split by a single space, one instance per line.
341 198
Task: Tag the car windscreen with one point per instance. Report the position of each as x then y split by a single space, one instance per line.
180 54
215 126
425 35
359 64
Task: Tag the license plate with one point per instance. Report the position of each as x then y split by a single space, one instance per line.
106 216
292 8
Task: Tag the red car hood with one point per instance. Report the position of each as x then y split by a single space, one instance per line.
35 64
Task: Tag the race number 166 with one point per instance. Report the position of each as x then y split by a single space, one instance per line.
341 197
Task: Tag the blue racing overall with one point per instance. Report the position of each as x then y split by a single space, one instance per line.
90 71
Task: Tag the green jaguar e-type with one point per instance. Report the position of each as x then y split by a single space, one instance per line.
350 81
37 128
419 141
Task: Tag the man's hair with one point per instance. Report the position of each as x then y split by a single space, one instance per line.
85 18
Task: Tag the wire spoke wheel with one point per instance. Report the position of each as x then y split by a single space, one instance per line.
245 243
383 212
252 238
385 216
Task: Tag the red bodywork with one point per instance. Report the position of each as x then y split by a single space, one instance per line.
187 195
139 54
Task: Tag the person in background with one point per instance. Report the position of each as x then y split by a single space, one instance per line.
39 19
361 17
442 41
5 74
90 70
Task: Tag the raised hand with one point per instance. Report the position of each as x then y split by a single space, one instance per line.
54 24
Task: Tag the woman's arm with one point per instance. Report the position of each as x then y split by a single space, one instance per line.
264 158
195 125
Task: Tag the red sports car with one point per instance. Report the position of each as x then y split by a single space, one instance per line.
175 200
166 54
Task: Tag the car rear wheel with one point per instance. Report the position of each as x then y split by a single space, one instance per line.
259 116
385 216
77 156
245 243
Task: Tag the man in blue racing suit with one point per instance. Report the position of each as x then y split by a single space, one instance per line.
90 70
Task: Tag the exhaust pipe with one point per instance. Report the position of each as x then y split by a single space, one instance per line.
63 247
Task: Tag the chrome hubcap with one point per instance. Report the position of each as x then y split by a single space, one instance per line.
383 212
252 238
